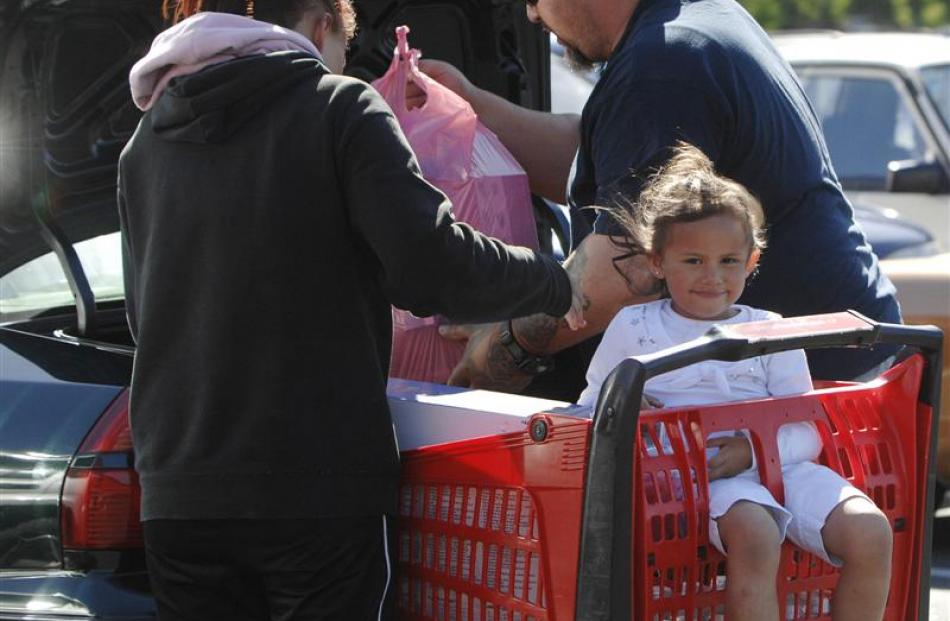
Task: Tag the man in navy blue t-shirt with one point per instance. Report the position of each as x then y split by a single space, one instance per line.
704 72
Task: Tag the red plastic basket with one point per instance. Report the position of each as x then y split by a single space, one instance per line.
870 437
490 527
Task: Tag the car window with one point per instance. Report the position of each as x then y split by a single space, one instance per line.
41 284
867 123
569 89
937 83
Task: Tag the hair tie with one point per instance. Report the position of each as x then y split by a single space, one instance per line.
249 8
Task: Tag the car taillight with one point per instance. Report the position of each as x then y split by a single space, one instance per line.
101 495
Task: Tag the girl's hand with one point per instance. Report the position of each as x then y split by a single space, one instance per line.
650 403
734 456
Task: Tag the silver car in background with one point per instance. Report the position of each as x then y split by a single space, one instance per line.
884 104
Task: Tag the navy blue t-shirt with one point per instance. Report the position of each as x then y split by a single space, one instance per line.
703 71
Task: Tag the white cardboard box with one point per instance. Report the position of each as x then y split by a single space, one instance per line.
424 414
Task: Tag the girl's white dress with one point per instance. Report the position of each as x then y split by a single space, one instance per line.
811 490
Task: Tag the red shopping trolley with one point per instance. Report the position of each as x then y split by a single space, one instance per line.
578 519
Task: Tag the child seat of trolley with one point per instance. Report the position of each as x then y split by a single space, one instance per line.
573 518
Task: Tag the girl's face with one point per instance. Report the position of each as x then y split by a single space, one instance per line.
705 264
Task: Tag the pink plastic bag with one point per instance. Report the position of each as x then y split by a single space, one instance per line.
487 187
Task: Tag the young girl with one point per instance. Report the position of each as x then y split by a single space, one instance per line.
703 235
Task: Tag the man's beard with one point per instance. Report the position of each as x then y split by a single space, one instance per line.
577 61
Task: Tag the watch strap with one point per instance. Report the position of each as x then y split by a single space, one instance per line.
524 361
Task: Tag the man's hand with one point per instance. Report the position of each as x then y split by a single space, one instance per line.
575 315
543 143
443 73
448 76
734 456
599 292
485 363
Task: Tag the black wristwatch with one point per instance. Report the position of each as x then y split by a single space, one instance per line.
528 363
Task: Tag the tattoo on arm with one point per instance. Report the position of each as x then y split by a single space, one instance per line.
632 267
535 332
501 369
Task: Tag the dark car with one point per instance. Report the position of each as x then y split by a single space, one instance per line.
70 540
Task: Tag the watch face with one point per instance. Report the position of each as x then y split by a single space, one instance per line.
535 365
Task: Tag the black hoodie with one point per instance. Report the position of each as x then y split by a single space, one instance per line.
271 212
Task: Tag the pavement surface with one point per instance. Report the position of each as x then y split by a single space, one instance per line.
940 567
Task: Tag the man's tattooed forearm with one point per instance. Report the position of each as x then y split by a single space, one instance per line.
536 332
501 372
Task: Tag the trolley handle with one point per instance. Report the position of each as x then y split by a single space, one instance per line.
604 576
733 342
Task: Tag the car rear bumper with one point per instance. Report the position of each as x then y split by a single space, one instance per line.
72 596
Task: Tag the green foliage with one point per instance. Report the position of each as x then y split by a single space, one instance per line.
935 13
784 14
769 13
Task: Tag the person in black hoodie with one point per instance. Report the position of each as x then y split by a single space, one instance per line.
271 213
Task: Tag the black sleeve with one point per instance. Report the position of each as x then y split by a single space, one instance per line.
128 266
433 264
633 130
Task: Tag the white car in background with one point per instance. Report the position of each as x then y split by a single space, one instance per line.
884 104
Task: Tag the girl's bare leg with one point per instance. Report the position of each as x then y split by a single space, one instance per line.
751 537
860 535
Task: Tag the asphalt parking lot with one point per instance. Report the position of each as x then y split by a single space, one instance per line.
940 567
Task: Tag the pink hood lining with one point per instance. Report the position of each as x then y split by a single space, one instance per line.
205 39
